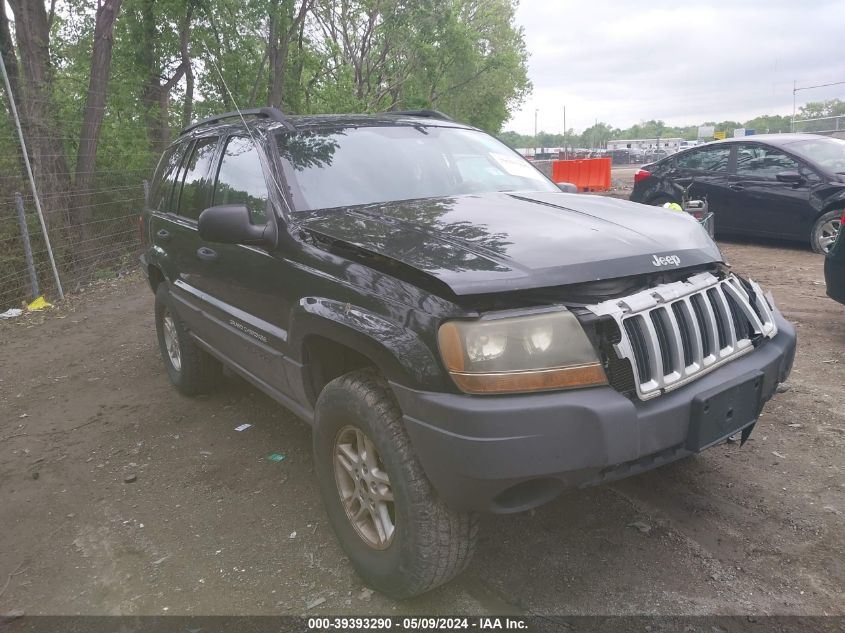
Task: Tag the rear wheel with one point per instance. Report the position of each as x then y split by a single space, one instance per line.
398 534
825 231
191 369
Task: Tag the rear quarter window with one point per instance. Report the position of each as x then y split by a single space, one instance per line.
165 174
705 159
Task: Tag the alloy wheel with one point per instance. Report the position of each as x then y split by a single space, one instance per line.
364 487
828 232
171 340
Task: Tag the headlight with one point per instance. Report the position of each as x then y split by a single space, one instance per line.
519 354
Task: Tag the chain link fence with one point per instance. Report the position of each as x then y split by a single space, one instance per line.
93 231
821 125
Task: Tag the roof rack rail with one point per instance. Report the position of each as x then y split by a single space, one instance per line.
271 113
428 114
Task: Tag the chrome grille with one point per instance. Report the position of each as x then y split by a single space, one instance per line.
676 332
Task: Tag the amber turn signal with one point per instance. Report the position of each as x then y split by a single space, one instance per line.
523 381
451 349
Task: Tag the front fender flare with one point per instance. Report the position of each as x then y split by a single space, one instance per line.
398 352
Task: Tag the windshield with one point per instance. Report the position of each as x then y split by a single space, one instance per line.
365 165
828 153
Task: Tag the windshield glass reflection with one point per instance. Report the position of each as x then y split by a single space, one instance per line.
366 165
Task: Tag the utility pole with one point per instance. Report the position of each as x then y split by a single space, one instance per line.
794 90
536 111
565 148
596 138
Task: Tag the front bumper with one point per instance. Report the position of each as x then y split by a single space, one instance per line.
510 453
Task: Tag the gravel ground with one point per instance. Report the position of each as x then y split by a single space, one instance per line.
119 496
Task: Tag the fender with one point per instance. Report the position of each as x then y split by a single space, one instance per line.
397 351
150 265
828 199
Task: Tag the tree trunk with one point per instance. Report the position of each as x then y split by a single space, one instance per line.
10 59
276 61
42 133
285 21
7 48
184 37
92 119
150 95
155 96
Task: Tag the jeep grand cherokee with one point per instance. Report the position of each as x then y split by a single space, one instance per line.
463 336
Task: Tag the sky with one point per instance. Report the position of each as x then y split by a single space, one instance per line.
685 62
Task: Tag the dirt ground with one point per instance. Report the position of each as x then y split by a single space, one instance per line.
211 526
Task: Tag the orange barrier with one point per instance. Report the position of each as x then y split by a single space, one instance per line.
589 174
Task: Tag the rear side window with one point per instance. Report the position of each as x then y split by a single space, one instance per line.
755 161
705 159
193 195
241 179
162 184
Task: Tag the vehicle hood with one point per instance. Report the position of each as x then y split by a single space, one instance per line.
498 242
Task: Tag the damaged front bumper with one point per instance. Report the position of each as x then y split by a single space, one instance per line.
510 453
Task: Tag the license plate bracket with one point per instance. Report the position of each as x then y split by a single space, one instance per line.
723 411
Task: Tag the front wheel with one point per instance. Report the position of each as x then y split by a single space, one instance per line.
825 231
398 534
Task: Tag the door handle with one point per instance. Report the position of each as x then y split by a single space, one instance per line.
206 254
163 235
737 187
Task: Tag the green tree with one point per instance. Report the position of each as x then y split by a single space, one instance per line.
817 109
597 135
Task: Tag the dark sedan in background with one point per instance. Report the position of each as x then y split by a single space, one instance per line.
773 185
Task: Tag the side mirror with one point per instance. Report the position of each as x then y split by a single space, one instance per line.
567 187
790 177
230 224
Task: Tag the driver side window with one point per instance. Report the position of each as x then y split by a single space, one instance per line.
763 163
240 179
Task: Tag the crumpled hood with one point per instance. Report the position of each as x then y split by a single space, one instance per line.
506 241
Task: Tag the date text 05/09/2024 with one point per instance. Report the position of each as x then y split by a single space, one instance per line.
419 623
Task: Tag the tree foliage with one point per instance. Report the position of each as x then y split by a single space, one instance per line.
104 85
132 72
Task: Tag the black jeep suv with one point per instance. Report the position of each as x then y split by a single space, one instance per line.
462 335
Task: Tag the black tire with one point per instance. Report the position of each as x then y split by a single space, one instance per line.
825 230
431 544
198 371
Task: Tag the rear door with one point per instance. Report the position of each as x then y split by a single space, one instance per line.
178 232
707 169
162 215
761 205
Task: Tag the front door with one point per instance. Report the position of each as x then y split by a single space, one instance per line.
241 286
760 203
